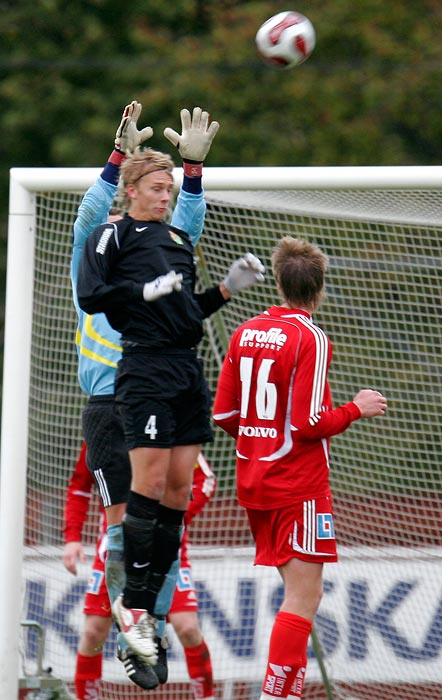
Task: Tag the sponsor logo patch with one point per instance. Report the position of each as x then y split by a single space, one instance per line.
273 338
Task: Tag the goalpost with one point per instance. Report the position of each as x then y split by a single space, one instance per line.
380 621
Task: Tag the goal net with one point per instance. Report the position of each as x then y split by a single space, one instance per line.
379 625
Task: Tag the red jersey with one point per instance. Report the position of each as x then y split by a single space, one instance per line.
273 397
78 498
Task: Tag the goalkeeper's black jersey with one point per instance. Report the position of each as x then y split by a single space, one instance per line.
119 258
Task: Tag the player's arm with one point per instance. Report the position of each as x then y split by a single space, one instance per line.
78 497
311 392
226 405
367 403
190 212
203 488
242 274
311 414
73 552
96 203
194 142
100 251
93 211
325 424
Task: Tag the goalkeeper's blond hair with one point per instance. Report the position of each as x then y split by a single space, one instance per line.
299 269
138 164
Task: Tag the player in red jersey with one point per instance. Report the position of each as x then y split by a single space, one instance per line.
97 609
273 397
183 614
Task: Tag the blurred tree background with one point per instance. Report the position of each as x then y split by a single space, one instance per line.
369 95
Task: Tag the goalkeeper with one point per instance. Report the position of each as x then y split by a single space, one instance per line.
141 273
99 350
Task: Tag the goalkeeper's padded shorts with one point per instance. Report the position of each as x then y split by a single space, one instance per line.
107 456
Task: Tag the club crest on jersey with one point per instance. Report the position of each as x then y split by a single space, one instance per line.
176 238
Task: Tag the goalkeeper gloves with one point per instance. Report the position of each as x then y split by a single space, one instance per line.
197 135
244 273
128 137
165 284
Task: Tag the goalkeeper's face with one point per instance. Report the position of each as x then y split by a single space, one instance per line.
150 196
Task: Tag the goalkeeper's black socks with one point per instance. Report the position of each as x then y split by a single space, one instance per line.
139 526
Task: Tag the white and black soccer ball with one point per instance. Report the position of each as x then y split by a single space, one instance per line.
285 40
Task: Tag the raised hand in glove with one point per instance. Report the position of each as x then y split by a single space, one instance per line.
197 135
165 284
128 137
244 273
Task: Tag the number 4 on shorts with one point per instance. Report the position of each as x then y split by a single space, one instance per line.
151 427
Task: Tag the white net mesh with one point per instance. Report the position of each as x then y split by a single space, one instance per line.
380 621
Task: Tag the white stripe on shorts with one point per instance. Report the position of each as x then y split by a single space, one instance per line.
309 538
309 535
102 488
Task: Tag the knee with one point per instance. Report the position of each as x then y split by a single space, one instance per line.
151 486
303 600
191 638
189 633
177 496
95 633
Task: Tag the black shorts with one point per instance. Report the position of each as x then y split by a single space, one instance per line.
107 456
163 398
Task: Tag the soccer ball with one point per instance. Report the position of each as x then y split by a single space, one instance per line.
285 40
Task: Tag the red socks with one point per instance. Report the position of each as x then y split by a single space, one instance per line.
199 667
287 659
88 676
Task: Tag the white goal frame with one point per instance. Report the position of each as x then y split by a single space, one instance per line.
24 183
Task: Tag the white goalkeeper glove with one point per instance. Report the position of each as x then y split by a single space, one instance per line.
165 284
244 273
197 135
128 137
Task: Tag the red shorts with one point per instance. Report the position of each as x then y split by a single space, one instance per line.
184 598
96 600
299 531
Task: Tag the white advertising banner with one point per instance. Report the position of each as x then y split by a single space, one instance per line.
380 618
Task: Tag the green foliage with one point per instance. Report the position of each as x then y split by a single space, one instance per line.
368 95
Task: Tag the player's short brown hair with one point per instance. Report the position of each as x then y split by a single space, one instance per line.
139 163
299 269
